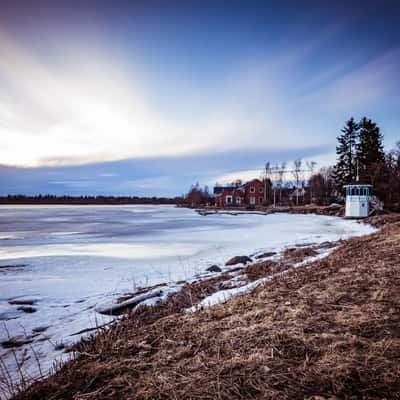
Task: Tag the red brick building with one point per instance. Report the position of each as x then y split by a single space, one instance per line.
254 193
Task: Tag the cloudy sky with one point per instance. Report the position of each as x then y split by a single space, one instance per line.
147 97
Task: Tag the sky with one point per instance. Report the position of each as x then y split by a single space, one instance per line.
148 97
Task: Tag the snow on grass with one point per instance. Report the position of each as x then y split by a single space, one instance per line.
151 297
223 296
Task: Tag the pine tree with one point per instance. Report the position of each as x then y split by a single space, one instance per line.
370 154
345 168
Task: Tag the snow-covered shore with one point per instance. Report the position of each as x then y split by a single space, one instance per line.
74 259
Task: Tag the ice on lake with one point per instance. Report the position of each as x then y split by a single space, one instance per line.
71 258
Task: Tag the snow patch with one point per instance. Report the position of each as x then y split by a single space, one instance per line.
152 297
223 296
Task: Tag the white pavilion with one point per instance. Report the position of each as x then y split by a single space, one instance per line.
357 200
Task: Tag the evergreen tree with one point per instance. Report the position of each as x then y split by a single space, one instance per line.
345 168
370 153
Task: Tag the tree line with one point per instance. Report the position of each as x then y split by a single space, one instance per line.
361 158
360 152
87 200
198 195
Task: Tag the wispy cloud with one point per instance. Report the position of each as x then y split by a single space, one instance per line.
85 108
367 85
107 175
74 113
154 176
359 89
85 105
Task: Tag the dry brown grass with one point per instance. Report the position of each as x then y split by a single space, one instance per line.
295 255
328 329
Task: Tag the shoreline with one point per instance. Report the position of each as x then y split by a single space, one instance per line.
148 296
300 253
335 210
51 335
214 283
166 341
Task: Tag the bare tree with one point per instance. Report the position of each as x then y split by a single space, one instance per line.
297 176
323 185
266 177
281 174
274 182
389 189
311 166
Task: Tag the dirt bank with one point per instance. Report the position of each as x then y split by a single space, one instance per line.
329 328
332 210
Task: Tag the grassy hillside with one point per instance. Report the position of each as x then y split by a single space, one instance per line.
329 329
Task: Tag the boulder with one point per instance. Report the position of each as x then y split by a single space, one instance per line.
238 260
27 309
265 255
59 346
17 341
40 329
6 267
22 302
214 268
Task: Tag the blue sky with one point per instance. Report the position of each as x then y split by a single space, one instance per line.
145 98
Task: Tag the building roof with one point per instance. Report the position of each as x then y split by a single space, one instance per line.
250 182
359 185
219 189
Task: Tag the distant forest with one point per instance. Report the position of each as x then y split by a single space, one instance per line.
87 200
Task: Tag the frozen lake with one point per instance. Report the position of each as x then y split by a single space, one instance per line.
71 258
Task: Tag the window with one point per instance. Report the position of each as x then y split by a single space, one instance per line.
252 189
228 199
252 200
238 201
261 190
261 200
